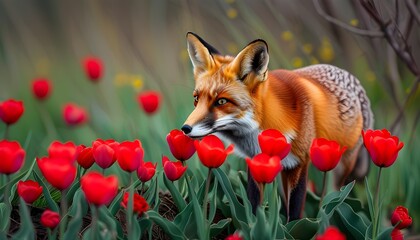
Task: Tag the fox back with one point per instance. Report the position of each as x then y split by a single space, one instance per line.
237 97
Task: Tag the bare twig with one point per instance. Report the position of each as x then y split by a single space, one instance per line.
362 32
413 10
405 105
393 36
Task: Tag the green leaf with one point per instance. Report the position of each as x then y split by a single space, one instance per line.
77 211
247 204
136 230
51 203
213 202
109 220
79 203
354 224
182 218
202 230
3 236
152 194
260 230
26 230
25 176
169 227
304 228
116 204
369 199
368 233
5 210
311 204
386 234
333 200
70 193
273 210
176 195
237 209
215 229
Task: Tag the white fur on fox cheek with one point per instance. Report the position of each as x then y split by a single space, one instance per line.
200 130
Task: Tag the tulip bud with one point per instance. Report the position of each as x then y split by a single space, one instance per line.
10 111
149 101
50 219
29 190
41 88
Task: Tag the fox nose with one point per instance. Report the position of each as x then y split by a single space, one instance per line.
186 129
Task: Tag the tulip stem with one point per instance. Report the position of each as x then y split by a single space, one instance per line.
376 208
7 202
324 189
6 132
95 220
262 186
142 188
206 193
63 206
130 208
7 191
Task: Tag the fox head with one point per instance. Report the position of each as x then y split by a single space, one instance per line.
224 85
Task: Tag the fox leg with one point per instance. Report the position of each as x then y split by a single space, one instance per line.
253 193
294 186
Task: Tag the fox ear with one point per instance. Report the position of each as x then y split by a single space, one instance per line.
201 53
252 59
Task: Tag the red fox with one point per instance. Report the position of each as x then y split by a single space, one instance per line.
237 97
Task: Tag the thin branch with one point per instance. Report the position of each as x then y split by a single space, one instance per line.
392 32
362 32
405 105
413 10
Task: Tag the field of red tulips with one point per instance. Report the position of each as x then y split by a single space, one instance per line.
90 110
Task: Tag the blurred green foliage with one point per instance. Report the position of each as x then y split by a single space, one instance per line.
142 45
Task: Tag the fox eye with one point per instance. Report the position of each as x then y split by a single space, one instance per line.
221 101
196 98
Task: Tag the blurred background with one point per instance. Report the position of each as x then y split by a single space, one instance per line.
142 47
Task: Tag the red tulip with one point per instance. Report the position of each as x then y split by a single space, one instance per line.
99 190
74 115
382 147
29 190
105 152
11 110
59 172
400 218
211 151
264 168
140 204
85 158
149 101
325 154
12 156
396 234
146 171
173 170
331 233
50 219
93 68
129 155
67 150
41 88
181 146
235 236
274 143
